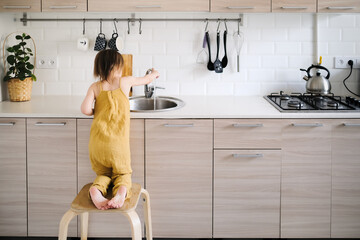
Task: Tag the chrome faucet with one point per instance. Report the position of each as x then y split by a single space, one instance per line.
149 90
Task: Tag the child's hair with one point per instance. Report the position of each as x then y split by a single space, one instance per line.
105 61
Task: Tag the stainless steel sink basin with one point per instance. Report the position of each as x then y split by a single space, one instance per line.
142 104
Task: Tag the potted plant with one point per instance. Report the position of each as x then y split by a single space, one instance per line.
21 71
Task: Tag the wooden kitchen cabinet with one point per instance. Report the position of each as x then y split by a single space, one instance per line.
247 133
64 6
148 6
247 193
13 204
20 5
110 224
294 6
306 178
240 6
51 159
179 176
339 6
345 210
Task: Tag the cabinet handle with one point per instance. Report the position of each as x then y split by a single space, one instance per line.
287 7
50 124
307 124
7 124
179 125
240 7
17 7
63 7
258 155
238 125
341 8
351 124
148 6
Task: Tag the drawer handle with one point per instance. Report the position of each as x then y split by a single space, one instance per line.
50 124
63 7
307 124
17 7
148 6
238 125
7 124
287 7
258 155
341 8
351 124
179 125
240 7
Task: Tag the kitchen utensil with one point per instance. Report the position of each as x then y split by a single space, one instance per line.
83 41
202 56
112 41
317 84
239 40
210 64
100 42
217 64
224 61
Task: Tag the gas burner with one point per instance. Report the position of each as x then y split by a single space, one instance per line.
295 104
285 97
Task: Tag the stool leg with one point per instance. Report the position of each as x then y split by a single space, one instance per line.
64 224
134 220
84 225
147 214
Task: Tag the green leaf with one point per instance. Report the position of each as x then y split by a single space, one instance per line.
11 59
33 77
18 37
7 78
27 37
26 58
11 69
22 43
31 54
24 35
10 49
29 66
29 50
16 47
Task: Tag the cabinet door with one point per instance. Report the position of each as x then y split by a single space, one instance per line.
306 179
294 6
109 224
247 193
148 6
334 6
240 6
13 210
20 5
64 6
345 211
51 148
179 177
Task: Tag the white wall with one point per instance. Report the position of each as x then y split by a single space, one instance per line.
276 46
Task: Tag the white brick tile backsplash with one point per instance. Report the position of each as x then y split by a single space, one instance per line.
57 88
179 75
288 75
219 88
71 75
274 87
329 35
265 20
167 61
307 20
342 20
288 48
274 62
58 35
288 20
351 34
193 88
142 61
273 34
165 34
343 48
300 61
180 48
64 62
79 88
37 89
261 75
152 48
247 89
301 34
263 48
46 75
83 61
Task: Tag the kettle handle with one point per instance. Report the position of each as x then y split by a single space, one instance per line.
319 67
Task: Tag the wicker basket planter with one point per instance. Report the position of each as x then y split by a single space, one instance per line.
20 91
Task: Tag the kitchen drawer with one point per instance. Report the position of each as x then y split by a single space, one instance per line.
242 6
247 133
20 5
149 6
64 6
293 6
345 6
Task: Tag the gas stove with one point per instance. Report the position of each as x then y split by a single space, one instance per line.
309 102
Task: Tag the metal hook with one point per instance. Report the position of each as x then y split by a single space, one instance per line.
207 24
115 25
217 30
84 26
225 25
128 31
238 32
100 25
140 31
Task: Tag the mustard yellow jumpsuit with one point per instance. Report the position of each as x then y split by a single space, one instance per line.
109 145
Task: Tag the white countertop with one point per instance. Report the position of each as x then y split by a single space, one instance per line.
195 107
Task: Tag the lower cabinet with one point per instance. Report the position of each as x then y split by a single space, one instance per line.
51 158
247 193
345 201
306 179
179 177
110 224
13 202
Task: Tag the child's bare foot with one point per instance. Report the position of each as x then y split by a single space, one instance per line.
98 199
118 200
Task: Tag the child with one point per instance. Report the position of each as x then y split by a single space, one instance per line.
109 145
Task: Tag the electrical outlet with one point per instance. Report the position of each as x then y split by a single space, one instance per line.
46 62
342 62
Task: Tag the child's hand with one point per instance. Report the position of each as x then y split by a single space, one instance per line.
154 73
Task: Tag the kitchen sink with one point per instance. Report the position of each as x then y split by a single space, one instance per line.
157 104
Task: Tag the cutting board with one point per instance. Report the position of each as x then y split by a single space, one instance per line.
127 70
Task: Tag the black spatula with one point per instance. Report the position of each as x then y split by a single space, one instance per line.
224 61
217 64
210 64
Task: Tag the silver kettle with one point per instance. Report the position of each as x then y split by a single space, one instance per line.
317 84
